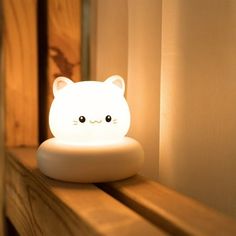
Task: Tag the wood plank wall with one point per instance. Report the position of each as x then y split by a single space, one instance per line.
41 40
20 72
1 128
64 44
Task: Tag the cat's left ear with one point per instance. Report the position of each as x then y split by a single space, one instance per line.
60 83
117 81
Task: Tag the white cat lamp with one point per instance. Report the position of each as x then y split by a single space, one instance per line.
89 120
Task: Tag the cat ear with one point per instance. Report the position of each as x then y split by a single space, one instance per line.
117 81
60 83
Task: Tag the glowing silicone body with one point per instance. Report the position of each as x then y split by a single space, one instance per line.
93 101
89 121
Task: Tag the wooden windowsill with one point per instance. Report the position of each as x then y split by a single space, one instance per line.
37 205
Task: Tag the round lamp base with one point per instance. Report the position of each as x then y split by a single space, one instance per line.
90 163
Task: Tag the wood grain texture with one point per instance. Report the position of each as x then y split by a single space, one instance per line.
20 72
38 205
177 214
2 128
64 43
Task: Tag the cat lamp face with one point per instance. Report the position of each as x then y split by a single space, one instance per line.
89 112
89 120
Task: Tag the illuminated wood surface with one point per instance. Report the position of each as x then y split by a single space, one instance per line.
37 205
20 72
64 44
174 212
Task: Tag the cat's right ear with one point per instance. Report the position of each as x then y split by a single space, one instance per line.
60 83
117 81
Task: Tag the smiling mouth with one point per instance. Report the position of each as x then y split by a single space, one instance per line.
95 121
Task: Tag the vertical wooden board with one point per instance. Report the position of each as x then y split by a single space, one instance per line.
64 35
144 70
197 111
20 72
109 38
1 128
